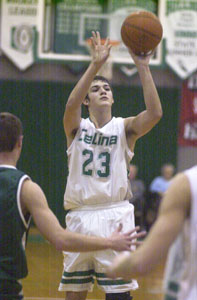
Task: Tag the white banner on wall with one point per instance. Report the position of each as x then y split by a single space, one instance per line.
19 22
179 19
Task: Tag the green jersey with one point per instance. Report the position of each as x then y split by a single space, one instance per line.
13 225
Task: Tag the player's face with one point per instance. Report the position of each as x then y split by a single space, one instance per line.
100 94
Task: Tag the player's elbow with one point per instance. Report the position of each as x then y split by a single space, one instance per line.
160 113
60 243
142 269
157 115
141 266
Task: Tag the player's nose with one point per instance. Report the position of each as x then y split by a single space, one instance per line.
103 91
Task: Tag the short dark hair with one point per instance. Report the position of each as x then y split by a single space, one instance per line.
10 131
101 78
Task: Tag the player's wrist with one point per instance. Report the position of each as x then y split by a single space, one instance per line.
143 67
109 243
95 64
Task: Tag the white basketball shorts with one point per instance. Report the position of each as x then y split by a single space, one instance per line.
80 269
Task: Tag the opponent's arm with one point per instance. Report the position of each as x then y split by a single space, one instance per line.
139 125
72 114
34 201
174 209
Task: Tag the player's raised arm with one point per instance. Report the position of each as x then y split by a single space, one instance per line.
72 114
139 125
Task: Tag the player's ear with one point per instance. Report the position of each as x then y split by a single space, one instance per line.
86 101
20 142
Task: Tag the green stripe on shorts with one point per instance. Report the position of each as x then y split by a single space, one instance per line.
77 281
112 282
78 273
101 275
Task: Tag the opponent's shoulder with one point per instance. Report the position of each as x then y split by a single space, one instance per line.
30 190
178 195
180 180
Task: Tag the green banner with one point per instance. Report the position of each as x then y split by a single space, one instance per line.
134 4
173 6
180 31
19 21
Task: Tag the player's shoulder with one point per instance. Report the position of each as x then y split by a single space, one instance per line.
180 185
178 195
30 186
179 178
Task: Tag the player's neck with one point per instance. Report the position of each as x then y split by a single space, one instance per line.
8 159
100 119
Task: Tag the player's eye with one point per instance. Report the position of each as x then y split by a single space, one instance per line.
94 89
107 88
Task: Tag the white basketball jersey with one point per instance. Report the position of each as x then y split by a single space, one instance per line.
181 270
98 161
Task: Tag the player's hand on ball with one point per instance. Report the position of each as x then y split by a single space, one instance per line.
141 59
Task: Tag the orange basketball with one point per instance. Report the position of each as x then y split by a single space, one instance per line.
141 31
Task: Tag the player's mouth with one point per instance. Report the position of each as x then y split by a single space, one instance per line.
104 98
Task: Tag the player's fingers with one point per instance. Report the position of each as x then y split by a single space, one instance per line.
109 47
106 42
94 38
92 45
98 38
150 53
94 34
136 229
136 243
139 235
133 238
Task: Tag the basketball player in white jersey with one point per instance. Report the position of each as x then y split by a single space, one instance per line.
175 230
99 151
